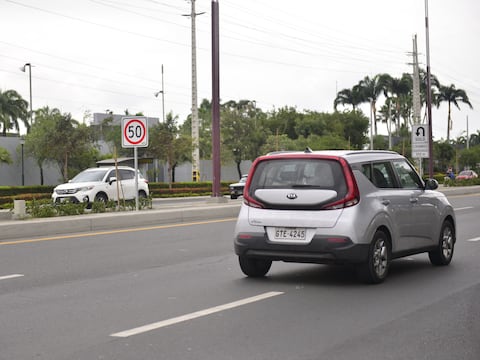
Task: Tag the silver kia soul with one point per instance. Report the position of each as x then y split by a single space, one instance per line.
341 207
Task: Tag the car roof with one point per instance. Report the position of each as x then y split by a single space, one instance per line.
352 156
108 168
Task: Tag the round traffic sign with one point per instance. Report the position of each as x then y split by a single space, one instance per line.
135 132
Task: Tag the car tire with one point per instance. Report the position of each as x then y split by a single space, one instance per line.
375 269
101 197
253 267
233 197
443 254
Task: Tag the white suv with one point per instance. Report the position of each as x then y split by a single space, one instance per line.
102 184
341 207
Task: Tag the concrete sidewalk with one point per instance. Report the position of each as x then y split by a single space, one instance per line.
162 213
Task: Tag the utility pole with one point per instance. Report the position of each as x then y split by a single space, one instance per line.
416 84
429 96
216 184
195 121
416 95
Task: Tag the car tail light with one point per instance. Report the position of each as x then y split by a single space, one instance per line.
247 200
352 196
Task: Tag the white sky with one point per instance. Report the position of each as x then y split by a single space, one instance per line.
94 55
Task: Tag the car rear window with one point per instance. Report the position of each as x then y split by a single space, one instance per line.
299 173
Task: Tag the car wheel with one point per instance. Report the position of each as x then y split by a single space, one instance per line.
233 197
254 267
101 197
375 270
443 254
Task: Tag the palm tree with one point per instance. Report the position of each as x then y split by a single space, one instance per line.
434 84
12 108
348 97
371 89
397 90
451 95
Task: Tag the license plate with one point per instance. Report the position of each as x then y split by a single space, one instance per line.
292 234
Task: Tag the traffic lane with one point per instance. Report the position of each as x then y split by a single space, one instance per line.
123 302
321 307
52 260
467 208
445 330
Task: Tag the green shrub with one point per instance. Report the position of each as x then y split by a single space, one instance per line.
69 208
41 208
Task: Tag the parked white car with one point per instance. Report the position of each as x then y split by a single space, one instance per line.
102 184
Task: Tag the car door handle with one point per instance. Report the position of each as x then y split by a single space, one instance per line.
386 202
413 200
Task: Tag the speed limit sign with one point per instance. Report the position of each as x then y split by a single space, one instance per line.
134 132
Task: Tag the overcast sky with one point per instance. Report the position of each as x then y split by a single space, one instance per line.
94 55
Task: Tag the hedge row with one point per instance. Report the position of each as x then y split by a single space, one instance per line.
157 190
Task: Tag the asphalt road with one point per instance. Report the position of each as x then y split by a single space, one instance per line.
175 291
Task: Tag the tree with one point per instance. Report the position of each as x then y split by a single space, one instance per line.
284 121
168 144
58 138
451 95
445 153
12 109
5 157
395 90
352 97
242 135
371 89
35 145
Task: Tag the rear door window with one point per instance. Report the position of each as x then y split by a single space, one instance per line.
380 174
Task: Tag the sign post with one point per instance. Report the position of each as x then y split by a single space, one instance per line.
420 143
135 135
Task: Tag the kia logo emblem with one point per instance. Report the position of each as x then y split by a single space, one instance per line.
292 196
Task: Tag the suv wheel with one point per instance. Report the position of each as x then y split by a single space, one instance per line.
101 197
443 254
375 270
233 197
254 267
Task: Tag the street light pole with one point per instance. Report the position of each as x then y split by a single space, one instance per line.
23 68
22 143
429 96
163 97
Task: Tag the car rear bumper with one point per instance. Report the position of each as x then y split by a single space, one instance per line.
321 250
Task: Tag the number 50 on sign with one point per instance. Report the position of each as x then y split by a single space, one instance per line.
134 132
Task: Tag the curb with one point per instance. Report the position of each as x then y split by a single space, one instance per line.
15 229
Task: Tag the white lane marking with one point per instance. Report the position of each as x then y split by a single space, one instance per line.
194 315
474 239
13 276
464 208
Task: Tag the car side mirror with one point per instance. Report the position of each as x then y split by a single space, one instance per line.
431 184
112 180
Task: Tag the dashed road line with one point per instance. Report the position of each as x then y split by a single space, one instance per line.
464 208
13 276
474 239
194 315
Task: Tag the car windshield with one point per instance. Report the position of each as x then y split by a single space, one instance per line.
91 175
465 172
